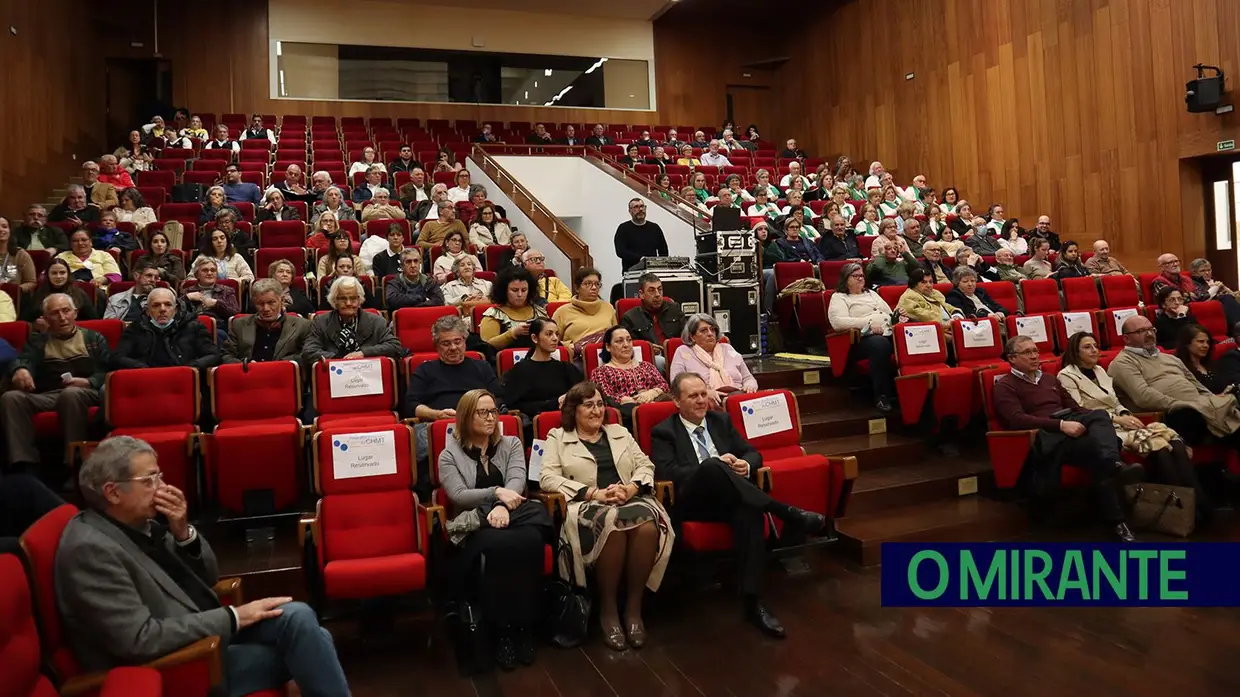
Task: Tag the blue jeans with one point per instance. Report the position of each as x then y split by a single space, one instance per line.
292 646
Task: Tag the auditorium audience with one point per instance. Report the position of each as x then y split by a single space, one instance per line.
763 206
598 138
795 246
933 264
625 379
434 232
1170 277
715 472
705 354
108 237
373 182
1173 316
134 209
292 298
270 334
368 163
275 208
855 307
498 533
585 318
1005 264
892 268
1204 283
321 239
258 130
1039 265
515 303
868 225
166 335
550 288
346 331
1195 349
34 233
841 244
405 161
1011 238
1070 264
130 304
614 524
135 529
16 266
1043 230
75 209
87 263
333 201
380 207
243 242
134 156
454 249
1102 263
460 192
346 266
971 298
923 303
540 136
98 193
411 287
293 188
487 229
467 290
657 319
205 295
56 279
218 246
386 262
339 244
237 191
216 201
61 369
227 146
435 387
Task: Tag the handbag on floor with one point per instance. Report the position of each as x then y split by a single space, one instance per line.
1163 508
566 610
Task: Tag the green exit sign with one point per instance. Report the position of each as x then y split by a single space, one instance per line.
1226 145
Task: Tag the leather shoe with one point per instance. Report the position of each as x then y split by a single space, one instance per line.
883 404
1128 473
760 617
505 650
525 646
808 522
637 634
613 637
1123 534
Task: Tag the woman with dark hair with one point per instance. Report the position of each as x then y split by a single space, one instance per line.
16 265
855 307
58 279
500 534
951 197
922 303
1070 264
1173 316
171 267
133 156
133 209
1012 237
515 298
613 524
1090 386
1195 348
455 248
487 229
625 381
339 244
586 317
631 157
218 245
538 382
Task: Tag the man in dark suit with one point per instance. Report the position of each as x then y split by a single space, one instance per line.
271 333
570 137
599 137
131 588
715 472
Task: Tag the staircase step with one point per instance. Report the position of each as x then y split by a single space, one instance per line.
877 451
840 421
968 519
813 398
773 373
918 483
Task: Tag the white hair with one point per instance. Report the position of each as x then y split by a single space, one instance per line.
54 297
343 283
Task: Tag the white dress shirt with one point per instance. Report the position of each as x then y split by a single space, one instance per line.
710 442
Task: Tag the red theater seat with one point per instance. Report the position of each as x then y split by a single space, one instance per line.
921 354
1010 448
373 408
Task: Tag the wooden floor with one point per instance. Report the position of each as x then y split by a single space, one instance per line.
841 642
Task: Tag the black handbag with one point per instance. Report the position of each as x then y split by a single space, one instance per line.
567 611
188 193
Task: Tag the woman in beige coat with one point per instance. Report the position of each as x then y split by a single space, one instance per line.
614 523
922 303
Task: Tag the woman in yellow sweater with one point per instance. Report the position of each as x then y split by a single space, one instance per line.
586 318
507 323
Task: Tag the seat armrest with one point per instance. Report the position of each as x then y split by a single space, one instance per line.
436 513
207 650
305 527
555 502
132 682
665 491
847 462
764 479
228 590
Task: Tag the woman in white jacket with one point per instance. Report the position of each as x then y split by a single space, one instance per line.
855 307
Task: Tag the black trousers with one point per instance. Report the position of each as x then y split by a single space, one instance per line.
501 568
1097 451
878 349
716 494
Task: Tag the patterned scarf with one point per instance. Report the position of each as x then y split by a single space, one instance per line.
718 377
347 338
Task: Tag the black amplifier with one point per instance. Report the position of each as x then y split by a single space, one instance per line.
738 310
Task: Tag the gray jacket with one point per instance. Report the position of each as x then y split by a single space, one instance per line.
458 474
373 335
118 305
118 606
242 334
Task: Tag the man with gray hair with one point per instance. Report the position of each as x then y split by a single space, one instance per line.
61 370
76 208
271 333
411 287
713 158
165 336
434 232
131 588
35 233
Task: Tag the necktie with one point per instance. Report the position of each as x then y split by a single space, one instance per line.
699 440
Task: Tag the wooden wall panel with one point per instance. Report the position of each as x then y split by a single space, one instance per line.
1069 108
52 92
222 67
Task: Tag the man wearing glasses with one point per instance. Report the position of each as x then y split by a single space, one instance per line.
134 582
1150 380
236 190
1170 275
1067 433
550 288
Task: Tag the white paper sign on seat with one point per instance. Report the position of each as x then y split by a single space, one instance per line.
921 340
355 378
537 451
1120 315
1033 327
1076 322
978 334
363 454
766 415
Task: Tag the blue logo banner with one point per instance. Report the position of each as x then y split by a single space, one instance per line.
996 574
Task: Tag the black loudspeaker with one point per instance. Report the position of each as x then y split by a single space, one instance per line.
1203 94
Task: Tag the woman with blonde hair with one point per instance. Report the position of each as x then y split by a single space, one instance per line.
500 535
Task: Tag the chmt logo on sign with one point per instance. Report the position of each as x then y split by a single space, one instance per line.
337 370
342 447
538 449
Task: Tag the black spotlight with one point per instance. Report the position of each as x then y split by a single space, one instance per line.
1204 93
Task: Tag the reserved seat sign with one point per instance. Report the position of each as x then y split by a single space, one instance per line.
363 454
355 378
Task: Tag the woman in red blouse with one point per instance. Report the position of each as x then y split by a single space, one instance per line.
624 381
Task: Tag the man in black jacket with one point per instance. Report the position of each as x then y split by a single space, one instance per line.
570 137
638 237
165 337
657 319
539 136
599 138
715 473
841 244
792 152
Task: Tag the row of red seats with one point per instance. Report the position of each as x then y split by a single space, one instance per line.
169 173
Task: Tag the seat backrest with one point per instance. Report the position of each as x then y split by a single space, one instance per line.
365 475
988 378
547 420
770 420
151 397
977 340
19 651
1041 295
788 271
829 272
1112 324
282 233
441 430
39 545
1067 324
413 326
1119 291
111 329
646 417
15 333
891 294
255 390
1040 328
919 343
592 354
1002 292
1210 315
1081 294
349 401
510 357
1146 281
265 256
623 305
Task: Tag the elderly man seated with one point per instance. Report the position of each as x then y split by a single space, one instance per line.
165 336
1030 399
1149 380
346 331
134 582
411 287
61 370
1169 276
271 333
1102 263
130 304
550 288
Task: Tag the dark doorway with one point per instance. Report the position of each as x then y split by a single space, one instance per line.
133 94
748 104
1221 188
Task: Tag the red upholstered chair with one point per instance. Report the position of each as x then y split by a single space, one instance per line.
1146 282
921 354
16 333
1041 295
979 344
19 652
812 482
829 272
1002 292
623 305
369 533
1119 291
282 233
1067 324
1111 322
159 406
441 430
1081 294
265 256
1040 328
255 393
190 672
812 317
510 357
204 177
334 411
1009 448
642 351
111 329
412 326
160 178
379 228
1210 315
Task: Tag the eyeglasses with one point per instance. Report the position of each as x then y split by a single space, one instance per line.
487 413
536 259
149 480
591 284
593 404
1027 352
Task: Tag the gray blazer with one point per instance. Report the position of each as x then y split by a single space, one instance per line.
374 337
458 473
118 606
241 336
